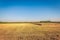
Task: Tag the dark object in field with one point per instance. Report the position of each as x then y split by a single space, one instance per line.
38 24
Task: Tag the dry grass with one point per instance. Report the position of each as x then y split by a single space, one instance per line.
30 31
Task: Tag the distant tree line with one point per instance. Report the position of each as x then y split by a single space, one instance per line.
44 21
49 22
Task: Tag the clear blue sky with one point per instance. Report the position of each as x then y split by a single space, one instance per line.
29 10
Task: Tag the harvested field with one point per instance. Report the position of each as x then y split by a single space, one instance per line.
30 31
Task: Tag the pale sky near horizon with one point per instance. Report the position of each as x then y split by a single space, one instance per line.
29 10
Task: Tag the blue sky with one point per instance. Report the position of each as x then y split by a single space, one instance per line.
29 10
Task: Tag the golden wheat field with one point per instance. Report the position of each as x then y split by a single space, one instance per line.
30 31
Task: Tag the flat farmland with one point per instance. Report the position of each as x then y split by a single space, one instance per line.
29 31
